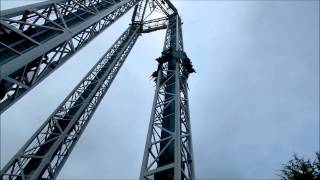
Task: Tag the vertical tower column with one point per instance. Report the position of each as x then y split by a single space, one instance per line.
168 150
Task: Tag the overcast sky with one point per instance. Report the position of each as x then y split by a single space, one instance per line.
254 100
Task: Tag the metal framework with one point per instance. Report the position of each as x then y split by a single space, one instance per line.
36 39
46 151
168 151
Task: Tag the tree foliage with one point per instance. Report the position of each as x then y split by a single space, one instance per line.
301 169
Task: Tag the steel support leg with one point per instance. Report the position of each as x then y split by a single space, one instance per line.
37 39
47 150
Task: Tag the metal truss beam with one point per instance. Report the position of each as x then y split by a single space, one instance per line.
154 25
44 154
37 39
168 150
161 5
140 14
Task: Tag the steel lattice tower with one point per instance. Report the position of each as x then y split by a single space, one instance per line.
37 39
